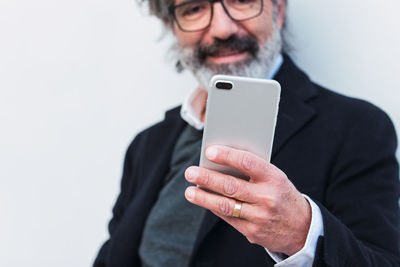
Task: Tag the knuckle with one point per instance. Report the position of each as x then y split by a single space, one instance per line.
251 234
206 178
261 217
224 207
227 155
247 162
266 169
273 205
270 202
264 199
231 187
280 180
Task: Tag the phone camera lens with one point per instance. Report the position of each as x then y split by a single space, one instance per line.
224 85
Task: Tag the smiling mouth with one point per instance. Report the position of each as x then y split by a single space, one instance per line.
226 52
227 56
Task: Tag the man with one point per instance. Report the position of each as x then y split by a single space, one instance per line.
329 198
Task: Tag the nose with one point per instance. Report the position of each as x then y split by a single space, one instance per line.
222 26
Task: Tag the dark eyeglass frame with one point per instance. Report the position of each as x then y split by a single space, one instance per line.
172 8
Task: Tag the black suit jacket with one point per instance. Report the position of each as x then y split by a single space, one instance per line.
338 150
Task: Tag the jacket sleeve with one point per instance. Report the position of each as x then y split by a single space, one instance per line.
361 209
127 185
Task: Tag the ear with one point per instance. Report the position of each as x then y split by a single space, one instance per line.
281 13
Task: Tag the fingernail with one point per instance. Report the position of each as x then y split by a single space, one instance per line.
189 193
192 174
211 152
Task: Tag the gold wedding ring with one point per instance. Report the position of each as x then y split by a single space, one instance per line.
237 209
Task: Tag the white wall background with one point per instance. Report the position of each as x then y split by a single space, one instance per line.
78 79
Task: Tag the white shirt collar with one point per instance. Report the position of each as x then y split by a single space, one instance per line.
196 100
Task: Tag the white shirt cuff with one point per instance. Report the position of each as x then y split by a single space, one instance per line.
304 257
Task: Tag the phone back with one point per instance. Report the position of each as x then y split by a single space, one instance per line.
243 117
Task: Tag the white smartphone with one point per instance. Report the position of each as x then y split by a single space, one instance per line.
240 113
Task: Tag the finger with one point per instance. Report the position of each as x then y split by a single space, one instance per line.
247 163
220 205
223 184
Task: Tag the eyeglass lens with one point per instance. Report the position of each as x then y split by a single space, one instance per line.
197 15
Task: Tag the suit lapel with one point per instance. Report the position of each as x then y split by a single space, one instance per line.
156 152
293 114
294 111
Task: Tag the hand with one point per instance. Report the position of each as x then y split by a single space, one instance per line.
274 214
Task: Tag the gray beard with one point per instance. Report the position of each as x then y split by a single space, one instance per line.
260 66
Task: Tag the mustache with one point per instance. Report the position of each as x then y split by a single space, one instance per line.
233 43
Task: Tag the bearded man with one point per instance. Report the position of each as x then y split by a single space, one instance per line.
329 197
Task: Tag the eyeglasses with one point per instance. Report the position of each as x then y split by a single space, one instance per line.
196 15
